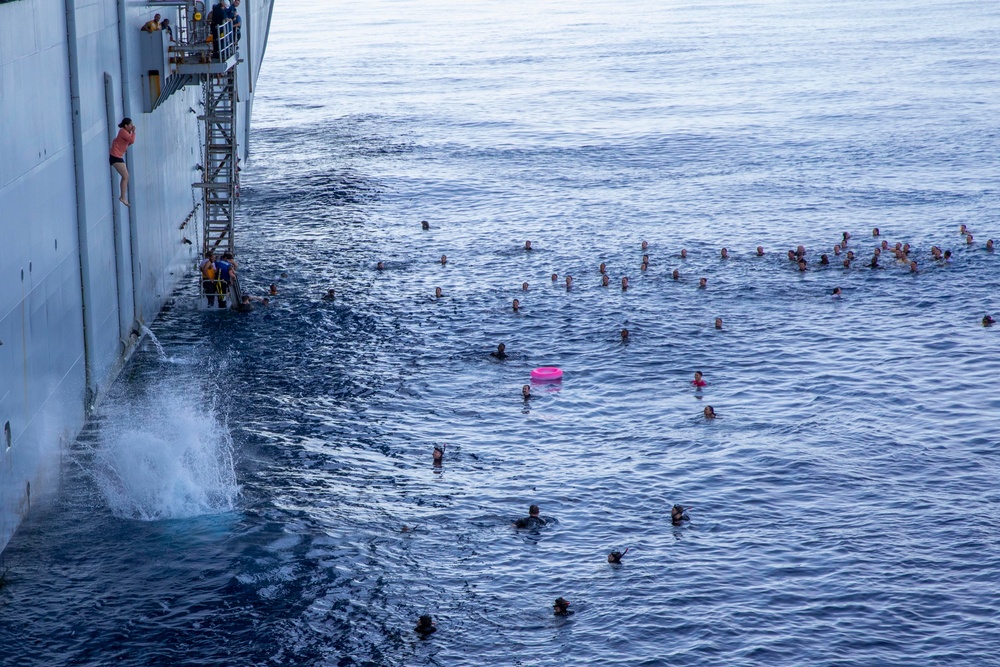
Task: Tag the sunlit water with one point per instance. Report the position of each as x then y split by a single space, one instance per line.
240 499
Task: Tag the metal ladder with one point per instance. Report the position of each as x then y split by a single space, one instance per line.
219 185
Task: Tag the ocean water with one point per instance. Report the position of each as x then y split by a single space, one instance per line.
240 499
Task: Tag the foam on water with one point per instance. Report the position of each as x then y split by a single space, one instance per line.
165 456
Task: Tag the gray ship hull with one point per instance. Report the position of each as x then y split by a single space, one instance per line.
79 272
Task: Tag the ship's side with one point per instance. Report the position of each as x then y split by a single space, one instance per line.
80 273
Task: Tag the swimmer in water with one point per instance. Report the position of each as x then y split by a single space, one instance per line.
561 607
725 253
913 267
516 305
947 255
836 293
605 280
800 252
684 253
602 268
678 515
698 381
791 256
274 289
624 335
824 260
527 245
988 320
569 282
935 252
802 265
760 251
643 266
847 263
624 283
847 236
885 245
526 392
836 250
968 240
500 353
438 453
989 245
645 245
524 287
533 520
878 253
850 255
444 259
425 626
645 259
709 412
616 556
676 275
702 283
438 293
874 262
555 277
425 225
265 301
906 248
330 295
875 232
380 266
963 230
718 322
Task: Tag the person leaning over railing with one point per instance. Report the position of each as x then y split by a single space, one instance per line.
152 25
165 27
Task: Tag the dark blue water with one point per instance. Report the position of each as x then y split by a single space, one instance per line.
241 501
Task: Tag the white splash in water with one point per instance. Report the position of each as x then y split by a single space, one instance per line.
165 457
156 341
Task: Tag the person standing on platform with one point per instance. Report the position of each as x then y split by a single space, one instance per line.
233 16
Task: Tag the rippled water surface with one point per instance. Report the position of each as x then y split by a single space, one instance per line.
240 500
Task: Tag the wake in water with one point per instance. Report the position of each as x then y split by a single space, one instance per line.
165 456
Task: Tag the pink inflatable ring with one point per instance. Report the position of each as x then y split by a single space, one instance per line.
546 374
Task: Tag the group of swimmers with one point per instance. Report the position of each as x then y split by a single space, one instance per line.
900 251
425 624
